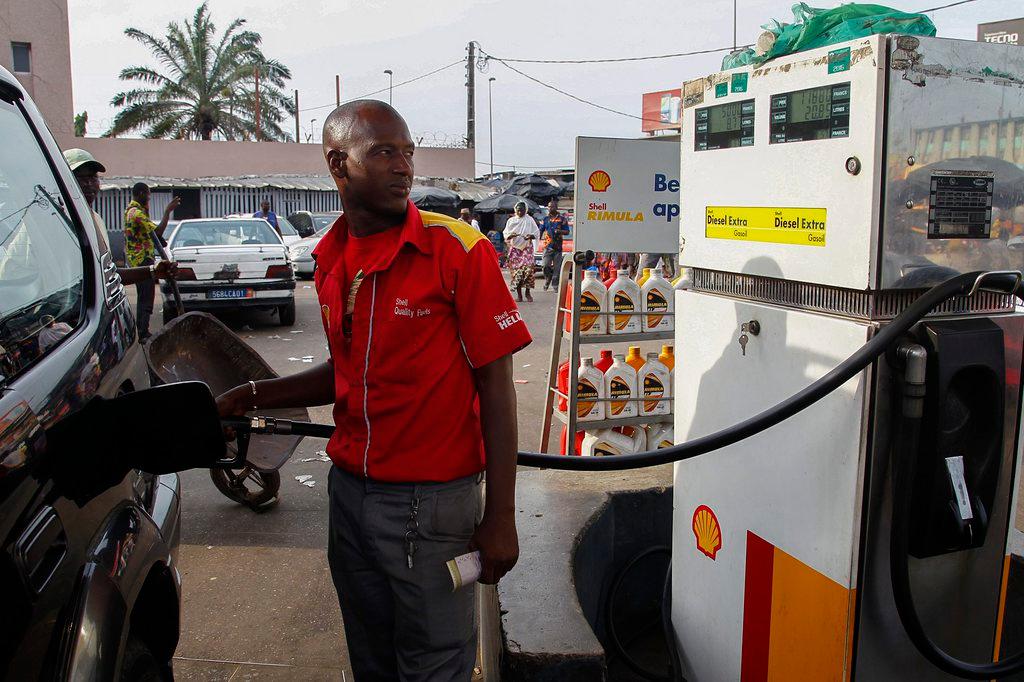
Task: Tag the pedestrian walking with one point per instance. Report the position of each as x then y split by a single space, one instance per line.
520 233
139 249
267 215
421 329
552 230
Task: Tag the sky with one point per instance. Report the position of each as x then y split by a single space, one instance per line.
534 127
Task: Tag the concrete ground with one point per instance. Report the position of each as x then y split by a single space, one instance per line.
257 598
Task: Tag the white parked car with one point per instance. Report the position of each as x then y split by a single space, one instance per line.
231 263
289 235
301 254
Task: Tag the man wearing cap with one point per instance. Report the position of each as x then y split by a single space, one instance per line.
87 169
466 217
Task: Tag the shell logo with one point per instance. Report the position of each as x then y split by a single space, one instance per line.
599 181
707 531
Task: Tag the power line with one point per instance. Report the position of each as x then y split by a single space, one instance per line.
396 85
621 59
526 165
505 62
609 60
952 4
563 92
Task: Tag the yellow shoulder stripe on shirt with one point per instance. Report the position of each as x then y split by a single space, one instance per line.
466 234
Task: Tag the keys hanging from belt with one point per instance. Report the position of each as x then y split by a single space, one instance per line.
412 530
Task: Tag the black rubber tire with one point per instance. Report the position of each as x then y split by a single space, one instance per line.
169 314
255 489
139 664
286 314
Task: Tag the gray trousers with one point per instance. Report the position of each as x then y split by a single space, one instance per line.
145 291
551 265
403 623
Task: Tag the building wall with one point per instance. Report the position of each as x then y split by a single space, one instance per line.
45 26
208 158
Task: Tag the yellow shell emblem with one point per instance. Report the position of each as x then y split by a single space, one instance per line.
599 181
707 531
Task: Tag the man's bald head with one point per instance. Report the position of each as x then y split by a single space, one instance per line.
369 152
348 124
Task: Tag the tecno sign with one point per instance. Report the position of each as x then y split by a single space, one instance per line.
1004 32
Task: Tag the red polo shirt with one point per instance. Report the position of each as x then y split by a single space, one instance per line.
431 306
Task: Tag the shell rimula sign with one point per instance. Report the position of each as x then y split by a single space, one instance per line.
707 531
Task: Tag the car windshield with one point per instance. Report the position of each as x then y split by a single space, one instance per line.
224 233
41 265
322 232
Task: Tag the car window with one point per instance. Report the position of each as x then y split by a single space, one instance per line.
41 261
301 221
286 228
224 233
322 221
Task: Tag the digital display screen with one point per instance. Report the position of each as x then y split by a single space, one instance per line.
810 105
724 126
821 113
724 118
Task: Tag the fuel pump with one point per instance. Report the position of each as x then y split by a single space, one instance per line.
850 357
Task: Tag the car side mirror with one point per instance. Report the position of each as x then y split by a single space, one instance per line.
160 430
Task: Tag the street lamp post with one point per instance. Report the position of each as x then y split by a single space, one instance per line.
391 83
312 129
490 122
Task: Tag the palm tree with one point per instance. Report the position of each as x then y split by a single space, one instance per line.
204 84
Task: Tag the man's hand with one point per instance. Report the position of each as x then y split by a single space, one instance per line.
171 205
498 544
234 402
166 270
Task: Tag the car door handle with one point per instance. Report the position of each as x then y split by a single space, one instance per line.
41 548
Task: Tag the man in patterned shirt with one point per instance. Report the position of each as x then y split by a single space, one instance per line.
139 249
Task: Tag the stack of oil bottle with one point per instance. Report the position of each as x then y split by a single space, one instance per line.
622 386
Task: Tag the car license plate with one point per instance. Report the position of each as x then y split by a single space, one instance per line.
229 293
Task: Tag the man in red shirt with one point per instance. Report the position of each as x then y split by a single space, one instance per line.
421 329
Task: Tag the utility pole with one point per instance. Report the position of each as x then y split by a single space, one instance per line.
490 122
256 76
297 138
734 25
470 95
337 90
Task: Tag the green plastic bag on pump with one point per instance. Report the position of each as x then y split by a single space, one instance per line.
814 27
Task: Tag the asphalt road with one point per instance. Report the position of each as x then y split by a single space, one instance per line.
257 596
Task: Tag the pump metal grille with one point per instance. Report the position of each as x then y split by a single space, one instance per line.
866 305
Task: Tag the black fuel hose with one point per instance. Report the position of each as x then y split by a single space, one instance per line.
887 336
959 285
853 365
904 469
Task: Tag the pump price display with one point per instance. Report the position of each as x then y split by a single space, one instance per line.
724 126
797 226
814 114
